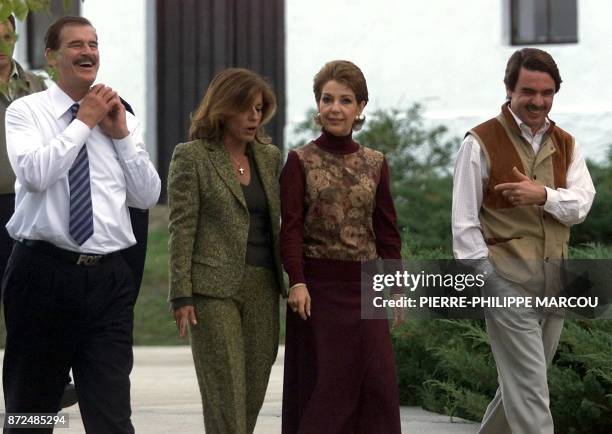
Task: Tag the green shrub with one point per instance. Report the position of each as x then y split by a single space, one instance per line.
596 228
450 365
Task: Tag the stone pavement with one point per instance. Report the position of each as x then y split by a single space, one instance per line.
165 399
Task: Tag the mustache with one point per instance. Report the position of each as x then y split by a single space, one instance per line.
534 107
85 58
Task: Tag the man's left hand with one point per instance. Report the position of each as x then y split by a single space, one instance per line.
524 192
114 124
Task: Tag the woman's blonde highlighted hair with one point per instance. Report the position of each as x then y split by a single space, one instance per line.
231 91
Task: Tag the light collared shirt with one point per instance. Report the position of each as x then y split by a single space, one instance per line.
568 205
42 144
535 140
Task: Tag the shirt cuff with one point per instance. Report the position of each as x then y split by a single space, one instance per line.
126 148
77 132
552 199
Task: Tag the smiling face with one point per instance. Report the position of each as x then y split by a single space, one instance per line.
338 108
241 128
76 60
532 97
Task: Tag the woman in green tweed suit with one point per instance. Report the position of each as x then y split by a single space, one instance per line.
225 269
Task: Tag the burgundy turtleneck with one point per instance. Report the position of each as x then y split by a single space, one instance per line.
293 184
336 144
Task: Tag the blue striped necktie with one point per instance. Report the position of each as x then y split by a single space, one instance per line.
81 211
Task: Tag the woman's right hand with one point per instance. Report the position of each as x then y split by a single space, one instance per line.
299 301
184 315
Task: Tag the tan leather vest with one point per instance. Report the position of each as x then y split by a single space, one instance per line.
526 244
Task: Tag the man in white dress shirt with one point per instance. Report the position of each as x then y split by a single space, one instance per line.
80 161
520 183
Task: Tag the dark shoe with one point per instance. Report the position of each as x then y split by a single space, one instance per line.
69 398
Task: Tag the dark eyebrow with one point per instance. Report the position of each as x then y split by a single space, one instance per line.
531 89
347 95
81 41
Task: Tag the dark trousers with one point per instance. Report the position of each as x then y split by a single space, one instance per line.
60 316
7 207
135 255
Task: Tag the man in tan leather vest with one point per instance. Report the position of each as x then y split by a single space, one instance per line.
520 183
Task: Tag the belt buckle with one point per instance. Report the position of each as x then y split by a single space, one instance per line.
88 260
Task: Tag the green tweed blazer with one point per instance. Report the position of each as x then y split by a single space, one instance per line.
209 218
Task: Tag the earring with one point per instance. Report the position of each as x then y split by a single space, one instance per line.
358 123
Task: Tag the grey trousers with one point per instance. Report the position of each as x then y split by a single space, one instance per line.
234 346
523 344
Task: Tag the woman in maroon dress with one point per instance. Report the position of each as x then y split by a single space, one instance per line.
337 212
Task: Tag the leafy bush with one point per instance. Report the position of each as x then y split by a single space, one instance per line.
596 228
450 364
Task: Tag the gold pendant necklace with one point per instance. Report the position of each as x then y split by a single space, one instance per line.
240 169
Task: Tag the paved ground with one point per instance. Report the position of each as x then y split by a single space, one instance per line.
165 399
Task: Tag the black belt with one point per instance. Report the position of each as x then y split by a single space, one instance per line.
67 256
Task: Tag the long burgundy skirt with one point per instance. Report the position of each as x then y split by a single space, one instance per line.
339 369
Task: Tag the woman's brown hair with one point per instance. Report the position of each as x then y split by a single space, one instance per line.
346 73
230 92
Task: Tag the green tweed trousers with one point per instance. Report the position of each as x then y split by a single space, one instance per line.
234 345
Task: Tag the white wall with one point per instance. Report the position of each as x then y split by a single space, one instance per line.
449 55
122 33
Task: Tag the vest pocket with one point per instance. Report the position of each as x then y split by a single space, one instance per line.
520 260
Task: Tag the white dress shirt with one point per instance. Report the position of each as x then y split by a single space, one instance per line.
43 142
568 205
